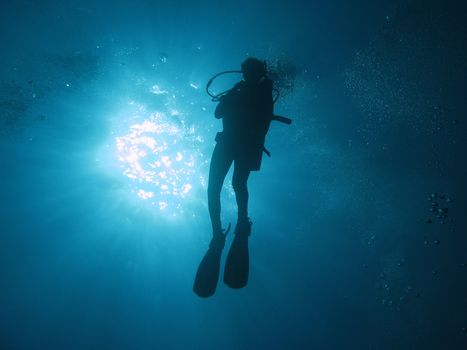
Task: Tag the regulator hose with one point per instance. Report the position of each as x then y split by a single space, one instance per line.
217 97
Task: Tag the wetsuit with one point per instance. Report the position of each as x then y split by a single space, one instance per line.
246 113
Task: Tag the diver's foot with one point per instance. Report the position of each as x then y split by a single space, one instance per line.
218 239
243 227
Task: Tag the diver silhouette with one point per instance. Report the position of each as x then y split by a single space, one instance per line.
246 111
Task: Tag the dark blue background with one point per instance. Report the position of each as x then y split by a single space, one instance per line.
342 255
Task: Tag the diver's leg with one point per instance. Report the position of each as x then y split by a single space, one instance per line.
220 164
239 184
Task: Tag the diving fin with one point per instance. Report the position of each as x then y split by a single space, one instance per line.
237 264
208 270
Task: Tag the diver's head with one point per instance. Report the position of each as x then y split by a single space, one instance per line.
253 69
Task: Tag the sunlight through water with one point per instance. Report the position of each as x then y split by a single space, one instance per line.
160 156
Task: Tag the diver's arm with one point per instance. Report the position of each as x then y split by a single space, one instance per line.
218 111
225 101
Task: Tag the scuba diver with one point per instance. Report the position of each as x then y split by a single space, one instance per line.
246 111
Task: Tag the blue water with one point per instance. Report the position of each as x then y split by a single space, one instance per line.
359 232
